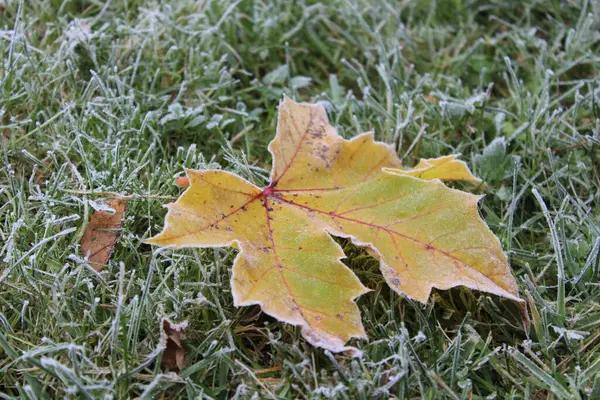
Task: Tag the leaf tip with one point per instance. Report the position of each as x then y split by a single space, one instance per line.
477 198
286 101
158 239
151 240
333 344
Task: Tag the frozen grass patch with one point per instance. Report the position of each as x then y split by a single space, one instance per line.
121 96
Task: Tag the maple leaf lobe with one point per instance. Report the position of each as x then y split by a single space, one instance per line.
269 270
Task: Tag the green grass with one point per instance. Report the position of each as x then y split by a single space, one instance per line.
121 96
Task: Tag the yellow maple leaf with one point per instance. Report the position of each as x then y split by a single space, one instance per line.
425 234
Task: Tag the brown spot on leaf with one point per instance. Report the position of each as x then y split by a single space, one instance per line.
318 133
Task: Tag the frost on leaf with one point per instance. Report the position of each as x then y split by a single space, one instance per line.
425 234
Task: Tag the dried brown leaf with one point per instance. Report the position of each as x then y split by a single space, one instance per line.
102 232
174 353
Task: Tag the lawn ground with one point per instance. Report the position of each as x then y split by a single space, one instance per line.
120 96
